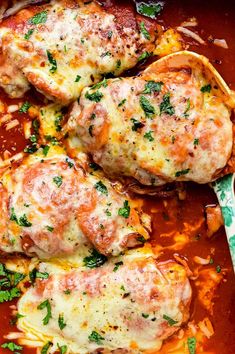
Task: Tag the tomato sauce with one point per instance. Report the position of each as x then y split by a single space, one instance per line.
215 20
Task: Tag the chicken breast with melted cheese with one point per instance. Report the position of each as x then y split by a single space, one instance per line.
50 207
171 123
65 45
131 303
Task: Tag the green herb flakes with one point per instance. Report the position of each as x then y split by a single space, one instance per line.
144 31
95 260
148 109
100 187
40 17
58 180
95 337
165 105
170 320
45 305
125 210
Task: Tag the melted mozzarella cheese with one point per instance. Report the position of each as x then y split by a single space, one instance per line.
69 48
51 207
119 305
158 127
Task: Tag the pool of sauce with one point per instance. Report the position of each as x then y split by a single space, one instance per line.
215 19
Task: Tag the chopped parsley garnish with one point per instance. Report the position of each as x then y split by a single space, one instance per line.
17 277
148 109
45 305
149 10
40 17
145 315
94 166
33 138
52 139
125 210
141 239
170 320
123 288
136 124
122 102
108 212
69 162
28 34
49 228
165 105
90 130
11 346
149 136
100 187
110 33
8 295
95 337
78 78
61 322
95 96
186 114
31 149
118 64
152 86
144 55
33 274
21 221
182 172
95 260
105 54
67 292
52 61
45 150
196 142
218 269
206 88
57 122
25 107
144 31
117 265
46 347
192 342
63 348
58 180
100 84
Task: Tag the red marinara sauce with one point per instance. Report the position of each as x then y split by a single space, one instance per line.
215 19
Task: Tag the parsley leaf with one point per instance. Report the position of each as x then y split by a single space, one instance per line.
11 346
29 34
23 221
95 260
141 239
8 295
100 187
45 348
149 10
182 172
185 114
45 305
78 78
45 150
144 31
192 342
63 348
148 109
153 86
169 320
125 210
117 265
33 274
196 142
206 88
118 64
100 84
149 136
95 96
25 107
40 17
61 322
144 55
58 180
95 337
52 61
57 122
165 105
122 102
145 315
136 125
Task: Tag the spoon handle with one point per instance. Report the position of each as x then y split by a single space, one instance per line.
224 189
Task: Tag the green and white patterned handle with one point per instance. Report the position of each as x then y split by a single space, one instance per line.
224 189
